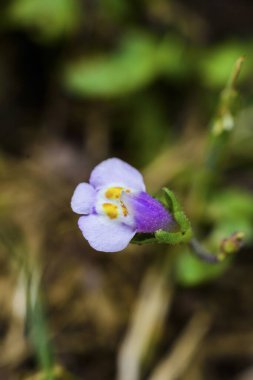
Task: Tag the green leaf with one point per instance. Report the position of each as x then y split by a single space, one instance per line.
173 238
176 209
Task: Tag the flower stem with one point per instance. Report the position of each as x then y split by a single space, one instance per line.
202 253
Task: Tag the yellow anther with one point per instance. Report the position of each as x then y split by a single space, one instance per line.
111 210
124 209
113 192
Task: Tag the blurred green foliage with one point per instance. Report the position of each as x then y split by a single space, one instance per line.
229 211
191 271
231 205
140 59
232 210
49 19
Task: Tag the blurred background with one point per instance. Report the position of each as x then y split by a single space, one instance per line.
84 80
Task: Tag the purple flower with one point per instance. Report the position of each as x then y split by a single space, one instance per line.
115 206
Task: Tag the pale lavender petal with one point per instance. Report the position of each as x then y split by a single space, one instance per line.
115 170
83 199
149 214
105 235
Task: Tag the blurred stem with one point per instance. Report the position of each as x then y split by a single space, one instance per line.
224 121
235 73
222 126
36 326
148 320
176 362
220 133
202 253
12 241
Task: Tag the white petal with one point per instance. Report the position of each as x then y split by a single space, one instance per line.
115 170
83 199
105 235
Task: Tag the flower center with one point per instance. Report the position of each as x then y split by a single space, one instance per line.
116 207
